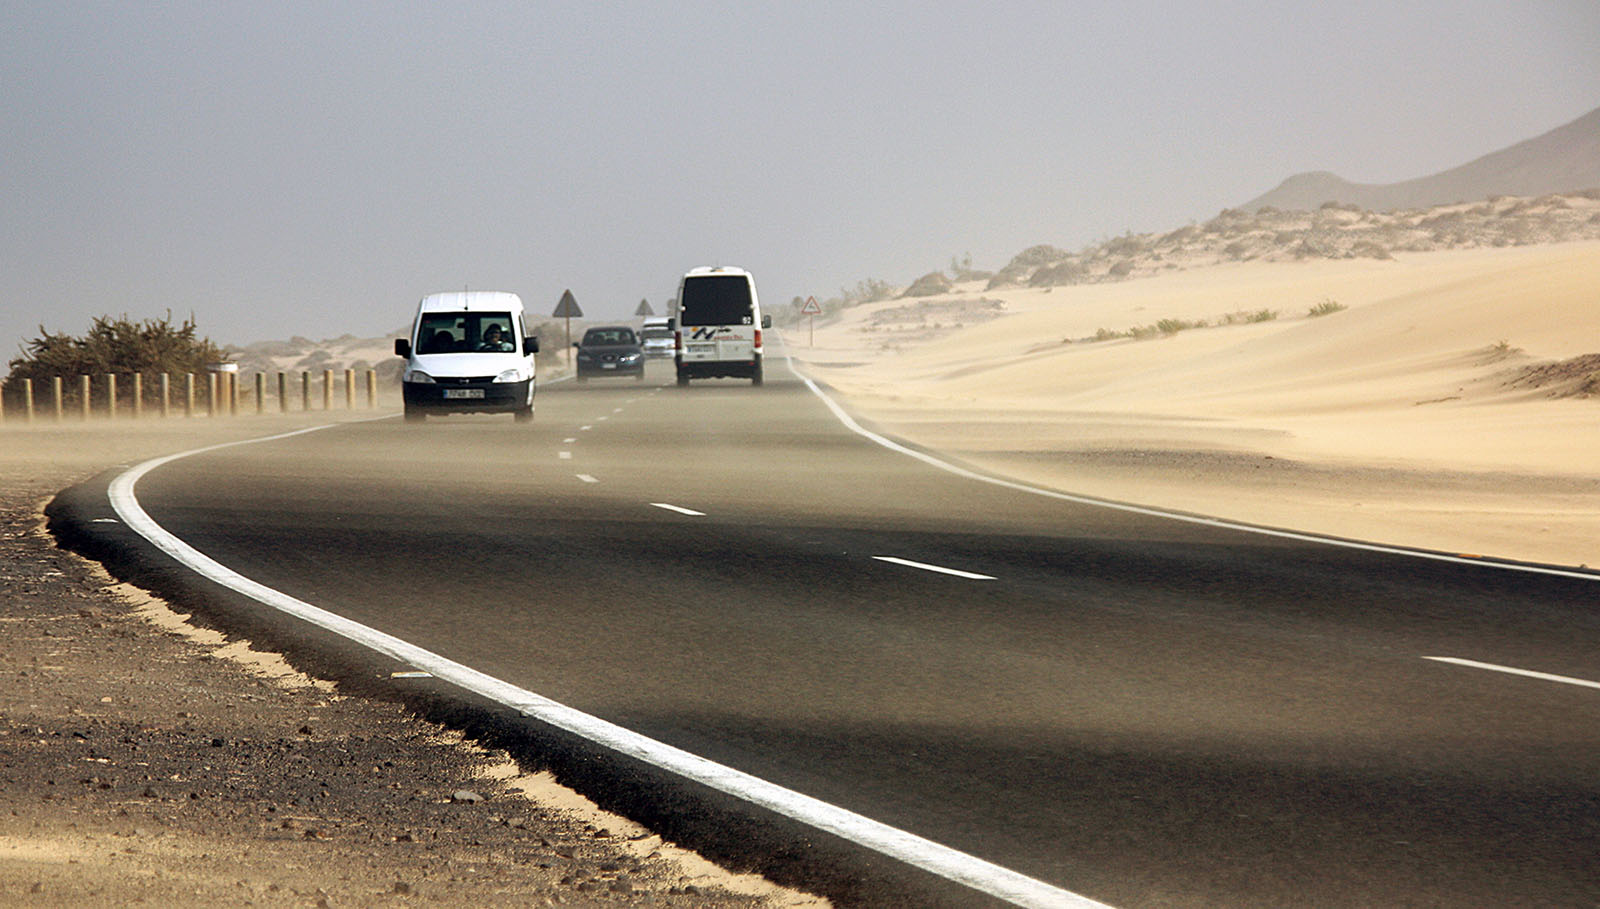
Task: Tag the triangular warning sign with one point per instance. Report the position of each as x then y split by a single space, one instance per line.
568 307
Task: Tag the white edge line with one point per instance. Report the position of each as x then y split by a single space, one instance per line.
1512 670
951 864
930 460
926 567
586 478
679 509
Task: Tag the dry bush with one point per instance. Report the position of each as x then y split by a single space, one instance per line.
1326 308
1062 273
929 285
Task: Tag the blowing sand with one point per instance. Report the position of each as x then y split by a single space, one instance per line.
1451 404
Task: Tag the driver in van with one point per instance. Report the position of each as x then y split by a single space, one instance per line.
494 341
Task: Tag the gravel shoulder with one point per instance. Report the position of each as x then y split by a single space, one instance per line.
143 760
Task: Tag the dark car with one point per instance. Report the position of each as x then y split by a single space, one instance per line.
610 350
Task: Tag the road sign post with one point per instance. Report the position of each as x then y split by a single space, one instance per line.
567 309
813 310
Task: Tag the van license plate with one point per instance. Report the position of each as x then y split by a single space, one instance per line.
452 394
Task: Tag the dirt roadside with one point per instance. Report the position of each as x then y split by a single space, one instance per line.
145 761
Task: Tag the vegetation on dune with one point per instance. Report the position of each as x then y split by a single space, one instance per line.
1326 308
1332 231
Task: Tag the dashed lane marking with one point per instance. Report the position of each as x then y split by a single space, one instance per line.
679 509
1512 670
936 568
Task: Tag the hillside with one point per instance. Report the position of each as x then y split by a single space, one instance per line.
1562 160
1332 231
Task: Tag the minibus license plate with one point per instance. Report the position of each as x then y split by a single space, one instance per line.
452 394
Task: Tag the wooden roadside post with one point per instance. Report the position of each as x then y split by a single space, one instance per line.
568 309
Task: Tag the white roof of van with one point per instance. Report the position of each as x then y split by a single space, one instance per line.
481 300
717 270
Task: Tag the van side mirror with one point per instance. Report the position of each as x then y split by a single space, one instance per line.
402 347
530 345
766 321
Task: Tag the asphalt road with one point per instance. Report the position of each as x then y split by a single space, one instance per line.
1140 710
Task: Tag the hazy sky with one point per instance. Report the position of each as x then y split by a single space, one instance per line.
312 169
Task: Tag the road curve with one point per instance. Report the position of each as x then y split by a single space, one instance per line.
1115 704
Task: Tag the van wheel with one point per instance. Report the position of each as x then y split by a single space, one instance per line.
683 379
755 377
523 416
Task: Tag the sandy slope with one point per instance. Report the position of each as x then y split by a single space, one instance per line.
1391 420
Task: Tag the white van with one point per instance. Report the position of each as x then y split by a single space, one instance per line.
468 353
657 340
719 325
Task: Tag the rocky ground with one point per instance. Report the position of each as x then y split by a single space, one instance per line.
141 761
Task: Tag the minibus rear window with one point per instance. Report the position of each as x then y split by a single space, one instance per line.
716 300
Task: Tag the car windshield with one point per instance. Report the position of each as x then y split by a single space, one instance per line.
715 300
466 332
657 334
608 337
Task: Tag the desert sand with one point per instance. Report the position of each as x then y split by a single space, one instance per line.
1447 405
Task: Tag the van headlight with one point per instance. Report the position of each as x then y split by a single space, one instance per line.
417 377
511 375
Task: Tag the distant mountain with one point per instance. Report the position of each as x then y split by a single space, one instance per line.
1565 159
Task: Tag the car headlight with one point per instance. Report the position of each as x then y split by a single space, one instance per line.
584 356
628 358
417 377
510 375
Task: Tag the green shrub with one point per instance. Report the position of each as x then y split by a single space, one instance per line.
113 347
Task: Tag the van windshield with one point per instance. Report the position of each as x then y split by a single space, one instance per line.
466 332
716 300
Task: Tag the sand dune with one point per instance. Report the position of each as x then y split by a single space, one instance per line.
1396 419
